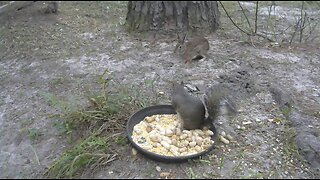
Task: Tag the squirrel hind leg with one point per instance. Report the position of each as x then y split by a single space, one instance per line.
205 54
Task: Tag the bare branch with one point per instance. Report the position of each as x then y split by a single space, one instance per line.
245 16
311 29
294 33
263 36
303 18
279 33
233 21
247 33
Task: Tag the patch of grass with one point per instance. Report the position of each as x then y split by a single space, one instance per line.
236 168
58 80
286 111
34 133
253 175
91 152
274 174
151 172
101 106
221 165
279 120
316 114
58 103
283 63
36 155
106 113
121 140
191 174
210 175
27 69
63 127
2 102
201 160
290 147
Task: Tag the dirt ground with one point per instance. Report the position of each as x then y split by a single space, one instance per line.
63 54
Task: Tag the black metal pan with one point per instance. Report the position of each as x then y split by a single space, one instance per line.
161 109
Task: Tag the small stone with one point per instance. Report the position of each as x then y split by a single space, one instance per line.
247 122
191 88
164 174
228 136
158 168
161 93
224 140
270 120
134 152
240 110
223 133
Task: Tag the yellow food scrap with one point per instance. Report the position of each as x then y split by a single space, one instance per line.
162 134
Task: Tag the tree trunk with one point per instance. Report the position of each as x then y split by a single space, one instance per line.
173 16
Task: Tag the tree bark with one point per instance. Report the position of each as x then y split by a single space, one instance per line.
173 16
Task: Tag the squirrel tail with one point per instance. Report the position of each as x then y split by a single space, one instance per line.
218 101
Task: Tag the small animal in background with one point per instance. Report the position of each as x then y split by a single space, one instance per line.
193 49
51 8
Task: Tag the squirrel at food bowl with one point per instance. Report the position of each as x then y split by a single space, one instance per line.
192 111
